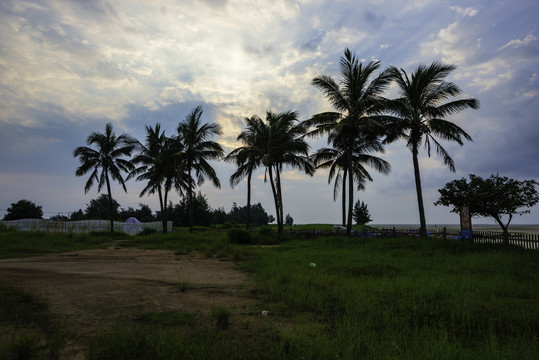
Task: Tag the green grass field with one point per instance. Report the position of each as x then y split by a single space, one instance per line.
329 298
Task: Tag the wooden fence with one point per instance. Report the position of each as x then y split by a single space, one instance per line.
527 241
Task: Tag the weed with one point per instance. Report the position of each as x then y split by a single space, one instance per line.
183 286
221 315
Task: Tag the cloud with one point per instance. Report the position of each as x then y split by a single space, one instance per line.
530 39
466 12
455 44
68 67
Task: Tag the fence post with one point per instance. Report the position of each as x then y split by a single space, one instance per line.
394 233
444 236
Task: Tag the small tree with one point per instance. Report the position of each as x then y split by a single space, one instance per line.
289 220
361 213
77 215
23 209
100 209
496 197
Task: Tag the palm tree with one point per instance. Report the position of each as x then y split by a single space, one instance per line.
247 157
335 158
192 159
107 158
419 116
358 101
154 160
282 140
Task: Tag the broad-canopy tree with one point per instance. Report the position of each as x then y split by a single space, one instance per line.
108 160
99 208
358 102
23 209
498 197
193 167
419 116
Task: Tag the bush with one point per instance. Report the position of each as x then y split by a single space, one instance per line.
5 228
147 231
239 236
265 230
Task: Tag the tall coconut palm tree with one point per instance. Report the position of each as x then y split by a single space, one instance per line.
419 116
197 149
106 161
335 158
154 160
282 140
247 157
357 99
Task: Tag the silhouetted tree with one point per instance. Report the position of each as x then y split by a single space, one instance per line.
358 101
99 208
154 163
282 140
289 220
361 213
105 162
247 158
197 213
197 150
496 197
336 159
419 117
23 209
77 215
143 213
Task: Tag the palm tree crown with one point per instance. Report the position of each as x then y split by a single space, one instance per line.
335 158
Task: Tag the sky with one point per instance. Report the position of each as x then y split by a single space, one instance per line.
68 67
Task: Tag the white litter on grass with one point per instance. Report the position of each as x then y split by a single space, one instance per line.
312 265
265 312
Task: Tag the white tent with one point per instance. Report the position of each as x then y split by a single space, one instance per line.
132 226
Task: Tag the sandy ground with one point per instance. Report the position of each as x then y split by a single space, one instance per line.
91 289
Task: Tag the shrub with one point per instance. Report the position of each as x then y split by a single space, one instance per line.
265 230
5 228
239 236
147 231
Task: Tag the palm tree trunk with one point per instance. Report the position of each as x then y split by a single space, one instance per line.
344 198
423 223
163 213
350 192
190 202
110 202
248 199
280 198
270 169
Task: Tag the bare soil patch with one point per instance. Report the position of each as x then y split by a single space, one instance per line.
91 289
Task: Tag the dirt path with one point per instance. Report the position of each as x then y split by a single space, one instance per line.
91 289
